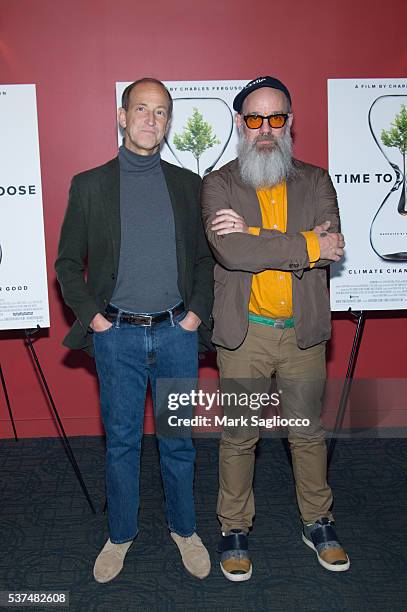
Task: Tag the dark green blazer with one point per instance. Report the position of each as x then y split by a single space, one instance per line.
89 248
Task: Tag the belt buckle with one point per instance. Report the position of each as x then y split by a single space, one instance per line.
279 323
149 324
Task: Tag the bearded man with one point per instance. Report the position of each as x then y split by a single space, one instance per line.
273 225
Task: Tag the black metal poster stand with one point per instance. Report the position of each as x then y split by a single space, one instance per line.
29 333
6 397
360 317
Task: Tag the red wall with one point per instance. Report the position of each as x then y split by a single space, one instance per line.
76 50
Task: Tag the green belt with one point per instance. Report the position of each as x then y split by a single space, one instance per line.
279 323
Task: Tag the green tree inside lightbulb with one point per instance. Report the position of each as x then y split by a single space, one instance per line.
196 137
397 137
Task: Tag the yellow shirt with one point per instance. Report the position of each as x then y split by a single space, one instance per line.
271 294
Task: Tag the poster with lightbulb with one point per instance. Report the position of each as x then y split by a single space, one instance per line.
23 275
367 131
201 137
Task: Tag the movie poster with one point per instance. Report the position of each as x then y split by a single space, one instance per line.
367 163
23 278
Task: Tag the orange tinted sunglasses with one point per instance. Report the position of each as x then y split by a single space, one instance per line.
254 122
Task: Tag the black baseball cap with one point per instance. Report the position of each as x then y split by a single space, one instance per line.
265 81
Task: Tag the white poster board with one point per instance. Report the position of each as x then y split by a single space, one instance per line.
367 163
201 108
23 278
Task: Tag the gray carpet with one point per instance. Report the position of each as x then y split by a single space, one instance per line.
50 539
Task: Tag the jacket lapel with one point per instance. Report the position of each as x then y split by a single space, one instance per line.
296 208
111 205
176 193
296 211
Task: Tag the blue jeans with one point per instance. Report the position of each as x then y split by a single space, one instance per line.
127 356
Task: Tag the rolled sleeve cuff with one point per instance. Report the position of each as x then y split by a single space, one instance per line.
312 247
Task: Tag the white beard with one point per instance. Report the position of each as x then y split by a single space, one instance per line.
268 167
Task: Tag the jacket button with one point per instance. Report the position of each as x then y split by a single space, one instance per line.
113 276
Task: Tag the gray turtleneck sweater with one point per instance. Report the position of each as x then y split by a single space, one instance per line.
147 277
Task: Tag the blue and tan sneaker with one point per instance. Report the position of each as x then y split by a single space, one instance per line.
321 537
235 562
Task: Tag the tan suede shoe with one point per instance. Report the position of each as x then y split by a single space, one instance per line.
109 562
194 555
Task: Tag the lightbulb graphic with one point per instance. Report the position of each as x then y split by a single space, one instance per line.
388 125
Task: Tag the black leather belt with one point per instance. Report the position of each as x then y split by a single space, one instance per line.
113 314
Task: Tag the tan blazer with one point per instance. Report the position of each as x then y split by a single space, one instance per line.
311 200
